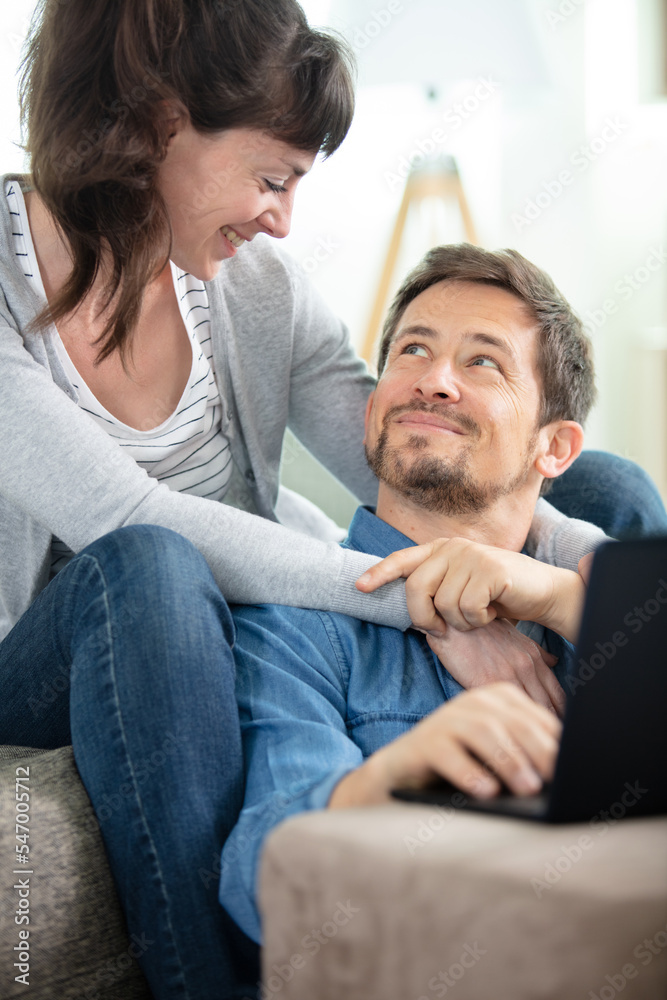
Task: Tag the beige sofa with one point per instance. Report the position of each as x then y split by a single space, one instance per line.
409 902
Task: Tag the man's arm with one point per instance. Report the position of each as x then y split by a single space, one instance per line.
292 697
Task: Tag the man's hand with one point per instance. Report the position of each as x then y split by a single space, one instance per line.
584 567
467 585
500 653
496 730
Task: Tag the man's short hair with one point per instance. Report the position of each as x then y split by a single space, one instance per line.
564 357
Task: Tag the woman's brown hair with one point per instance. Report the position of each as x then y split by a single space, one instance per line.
96 76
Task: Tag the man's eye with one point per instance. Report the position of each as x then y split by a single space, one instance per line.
274 187
414 349
483 362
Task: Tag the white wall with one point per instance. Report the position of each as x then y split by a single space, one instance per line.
15 19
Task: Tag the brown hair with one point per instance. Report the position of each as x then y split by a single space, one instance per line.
565 362
94 80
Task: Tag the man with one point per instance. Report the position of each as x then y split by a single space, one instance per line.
485 381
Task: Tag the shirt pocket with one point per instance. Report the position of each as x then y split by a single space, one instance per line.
373 730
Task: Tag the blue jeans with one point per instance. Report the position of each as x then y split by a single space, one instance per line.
126 654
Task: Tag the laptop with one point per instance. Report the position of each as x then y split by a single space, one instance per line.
612 761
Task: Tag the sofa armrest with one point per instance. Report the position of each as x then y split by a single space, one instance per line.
405 902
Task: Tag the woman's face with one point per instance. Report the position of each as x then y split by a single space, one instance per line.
221 190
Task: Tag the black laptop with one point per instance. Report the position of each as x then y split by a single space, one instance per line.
613 755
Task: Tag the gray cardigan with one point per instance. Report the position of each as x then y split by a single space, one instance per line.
281 359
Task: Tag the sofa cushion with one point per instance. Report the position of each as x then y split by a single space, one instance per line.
78 942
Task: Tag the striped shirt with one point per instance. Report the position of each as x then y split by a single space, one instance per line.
188 450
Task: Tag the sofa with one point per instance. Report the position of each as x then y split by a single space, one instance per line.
398 902
60 909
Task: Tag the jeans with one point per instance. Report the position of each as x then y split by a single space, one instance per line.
126 654
611 492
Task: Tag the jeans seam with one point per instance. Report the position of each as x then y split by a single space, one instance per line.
137 798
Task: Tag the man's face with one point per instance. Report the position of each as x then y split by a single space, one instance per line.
452 424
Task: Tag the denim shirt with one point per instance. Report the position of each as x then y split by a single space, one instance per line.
319 692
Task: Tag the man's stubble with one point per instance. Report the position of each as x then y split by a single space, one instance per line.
439 485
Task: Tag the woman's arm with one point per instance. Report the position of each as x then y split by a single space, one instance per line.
65 473
329 389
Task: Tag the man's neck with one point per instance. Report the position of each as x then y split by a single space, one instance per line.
505 523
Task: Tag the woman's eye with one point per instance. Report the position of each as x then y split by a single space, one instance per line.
418 349
484 362
274 187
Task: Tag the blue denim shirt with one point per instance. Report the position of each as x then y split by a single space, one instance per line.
318 692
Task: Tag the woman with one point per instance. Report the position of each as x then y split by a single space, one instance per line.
152 351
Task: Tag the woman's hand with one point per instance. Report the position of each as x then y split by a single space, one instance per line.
500 653
480 736
466 584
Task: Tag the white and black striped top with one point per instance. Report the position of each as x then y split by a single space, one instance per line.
188 450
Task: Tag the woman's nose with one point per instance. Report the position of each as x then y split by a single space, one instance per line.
277 220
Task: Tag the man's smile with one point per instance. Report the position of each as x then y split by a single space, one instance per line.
430 421
431 418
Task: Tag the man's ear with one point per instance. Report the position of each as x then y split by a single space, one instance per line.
367 414
560 443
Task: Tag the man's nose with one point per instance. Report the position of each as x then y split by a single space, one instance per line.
277 220
439 382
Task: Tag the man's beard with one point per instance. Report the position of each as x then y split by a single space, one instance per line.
438 485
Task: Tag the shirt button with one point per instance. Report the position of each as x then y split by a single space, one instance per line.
250 476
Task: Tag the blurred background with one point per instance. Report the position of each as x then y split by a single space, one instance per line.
547 121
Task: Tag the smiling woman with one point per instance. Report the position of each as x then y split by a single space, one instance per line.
101 87
153 346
